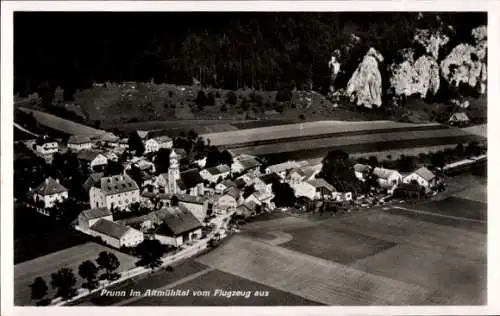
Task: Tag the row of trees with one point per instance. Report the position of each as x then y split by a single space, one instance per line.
64 280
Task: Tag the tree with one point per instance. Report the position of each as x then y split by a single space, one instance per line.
113 168
88 271
373 161
64 281
174 201
231 98
284 95
162 160
136 174
213 157
406 163
338 170
135 144
226 158
150 251
109 262
284 195
38 289
473 149
201 100
438 160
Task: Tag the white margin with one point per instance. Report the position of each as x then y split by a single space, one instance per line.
6 175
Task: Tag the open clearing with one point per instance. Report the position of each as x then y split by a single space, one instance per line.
480 130
455 206
26 272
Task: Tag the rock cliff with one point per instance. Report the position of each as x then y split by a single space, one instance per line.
365 85
466 63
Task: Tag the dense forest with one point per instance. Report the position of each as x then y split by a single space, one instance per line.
226 50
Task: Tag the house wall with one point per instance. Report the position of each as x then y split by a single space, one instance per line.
99 161
198 210
48 148
166 145
113 242
132 238
421 181
305 189
96 197
80 146
172 241
50 200
151 146
226 201
123 200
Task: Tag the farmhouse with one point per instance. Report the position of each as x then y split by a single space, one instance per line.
111 156
245 163
116 235
230 199
123 143
409 190
282 168
116 191
49 192
295 176
323 188
46 145
93 159
186 182
387 177
89 217
79 142
459 119
154 144
179 226
267 180
215 174
191 183
261 198
197 205
423 177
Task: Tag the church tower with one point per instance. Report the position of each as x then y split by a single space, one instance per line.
173 172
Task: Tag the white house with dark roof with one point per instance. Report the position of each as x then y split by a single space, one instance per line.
230 199
79 142
49 192
459 119
89 217
215 174
46 145
116 191
387 177
179 226
282 168
154 144
116 235
221 187
423 177
360 170
92 158
245 163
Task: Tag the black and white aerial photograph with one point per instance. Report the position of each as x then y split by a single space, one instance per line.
249 158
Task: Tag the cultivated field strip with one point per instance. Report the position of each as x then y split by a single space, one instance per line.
303 129
369 142
440 271
63 125
401 229
310 277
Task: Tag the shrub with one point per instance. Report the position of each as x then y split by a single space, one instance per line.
232 98
284 95
170 93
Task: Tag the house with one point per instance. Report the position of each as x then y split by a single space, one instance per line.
240 183
202 162
423 177
154 144
245 163
221 187
323 188
310 172
116 191
110 140
93 159
243 211
459 119
89 217
409 190
93 179
283 168
179 226
230 199
387 177
295 176
143 135
49 192
116 235
261 198
111 156
360 171
189 182
195 204
46 145
215 174
79 142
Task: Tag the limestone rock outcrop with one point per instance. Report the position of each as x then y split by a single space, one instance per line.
365 84
466 63
419 77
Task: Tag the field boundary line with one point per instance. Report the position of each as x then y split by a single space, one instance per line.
169 286
440 215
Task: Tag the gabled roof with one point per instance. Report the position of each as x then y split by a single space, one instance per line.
284 166
163 139
118 184
270 178
220 169
459 116
179 220
321 183
92 180
383 173
143 134
263 195
109 228
227 183
233 192
298 171
425 173
49 187
240 183
96 213
183 198
88 155
190 178
248 162
79 139
251 205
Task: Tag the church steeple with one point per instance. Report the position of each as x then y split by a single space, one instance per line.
173 172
